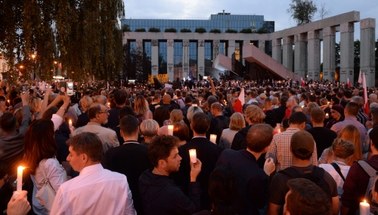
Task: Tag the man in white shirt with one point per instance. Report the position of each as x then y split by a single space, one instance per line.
96 190
98 114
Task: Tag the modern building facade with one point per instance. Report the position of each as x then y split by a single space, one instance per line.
299 49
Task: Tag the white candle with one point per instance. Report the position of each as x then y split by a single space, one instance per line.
193 155
108 104
20 169
195 105
70 122
326 115
170 130
213 138
8 101
364 208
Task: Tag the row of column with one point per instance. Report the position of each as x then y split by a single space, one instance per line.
307 59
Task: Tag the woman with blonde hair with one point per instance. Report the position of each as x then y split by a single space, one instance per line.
148 128
175 116
142 109
348 133
237 122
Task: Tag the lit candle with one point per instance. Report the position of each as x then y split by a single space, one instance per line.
193 155
70 122
327 116
364 208
20 169
302 106
213 138
170 130
328 103
195 105
8 101
108 104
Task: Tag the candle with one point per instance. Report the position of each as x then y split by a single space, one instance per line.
213 138
20 169
302 106
364 208
8 101
193 155
108 104
170 130
326 115
195 105
70 122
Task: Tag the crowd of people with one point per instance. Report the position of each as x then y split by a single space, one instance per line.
270 147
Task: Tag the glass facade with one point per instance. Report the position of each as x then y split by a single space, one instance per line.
193 57
221 21
177 59
208 56
162 57
147 50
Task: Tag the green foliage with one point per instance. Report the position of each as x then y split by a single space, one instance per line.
302 11
215 31
185 30
140 30
126 28
172 30
154 30
82 35
231 31
246 31
200 30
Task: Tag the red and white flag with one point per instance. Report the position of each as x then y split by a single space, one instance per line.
362 80
242 96
348 83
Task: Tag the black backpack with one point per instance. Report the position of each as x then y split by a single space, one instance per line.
316 176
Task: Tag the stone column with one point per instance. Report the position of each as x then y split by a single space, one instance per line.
329 61
367 50
262 45
215 48
287 55
170 59
154 57
201 57
300 55
277 50
185 60
313 51
346 52
231 48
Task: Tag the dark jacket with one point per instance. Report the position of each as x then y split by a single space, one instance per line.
160 196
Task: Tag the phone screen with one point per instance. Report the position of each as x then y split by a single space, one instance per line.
70 88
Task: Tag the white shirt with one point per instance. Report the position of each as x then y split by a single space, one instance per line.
339 181
95 191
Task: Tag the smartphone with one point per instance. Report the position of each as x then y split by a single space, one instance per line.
70 88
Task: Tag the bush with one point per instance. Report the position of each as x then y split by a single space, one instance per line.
185 30
231 31
200 30
140 30
126 28
246 31
215 31
173 30
154 30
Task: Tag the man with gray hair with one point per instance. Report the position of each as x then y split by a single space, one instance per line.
361 116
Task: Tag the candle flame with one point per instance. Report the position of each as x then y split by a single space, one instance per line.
20 168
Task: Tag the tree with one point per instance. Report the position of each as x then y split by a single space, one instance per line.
302 11
84 36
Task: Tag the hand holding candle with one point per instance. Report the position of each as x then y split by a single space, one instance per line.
213 138
193 155
170 130
364 208
20 170
70 122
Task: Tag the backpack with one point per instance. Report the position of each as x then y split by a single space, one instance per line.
316 176
373 176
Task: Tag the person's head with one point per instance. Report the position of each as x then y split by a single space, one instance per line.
317 115
350 133
100 99
98 113
351 109
200 123
291 102
140 105
254 114
342 148
129 126
298 119
39 142
259 137
216 109
306 198
120 97
85 102
337 112
167 99
237 121
163 153
85 149
373 98
181 131
8 122
191 111
373 135
176 116
358 100
302 145
149 128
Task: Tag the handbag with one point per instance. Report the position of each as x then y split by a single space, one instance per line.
46 194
